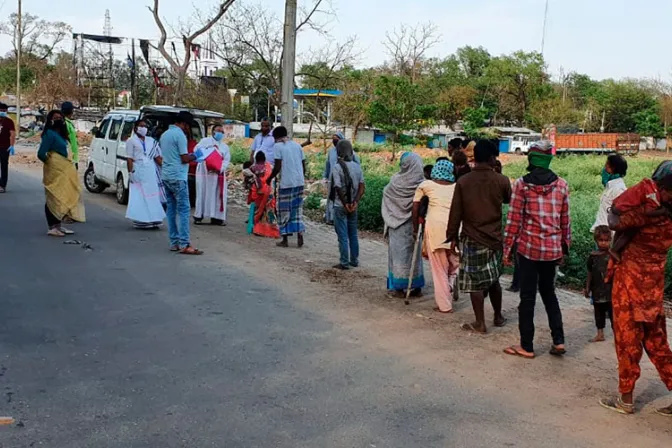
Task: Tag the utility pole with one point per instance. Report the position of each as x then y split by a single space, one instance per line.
19 39
543 33
134 87
288 68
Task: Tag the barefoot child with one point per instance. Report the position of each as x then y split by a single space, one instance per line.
597 289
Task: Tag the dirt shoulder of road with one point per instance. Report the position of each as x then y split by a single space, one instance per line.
563 393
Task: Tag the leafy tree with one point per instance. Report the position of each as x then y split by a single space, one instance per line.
474 122
398 106
648 123
352 107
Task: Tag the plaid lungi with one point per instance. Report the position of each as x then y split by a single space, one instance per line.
290 210
480 266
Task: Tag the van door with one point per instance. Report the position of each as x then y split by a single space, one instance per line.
121 157
97 151
111 143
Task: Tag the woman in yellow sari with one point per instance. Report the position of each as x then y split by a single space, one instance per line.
61 185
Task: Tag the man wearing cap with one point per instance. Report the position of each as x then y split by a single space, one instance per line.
538 227
332 160
7 142
174 174
68 110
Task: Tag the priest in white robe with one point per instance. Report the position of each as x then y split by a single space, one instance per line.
211 182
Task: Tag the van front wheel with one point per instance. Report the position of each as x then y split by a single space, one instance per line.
91 183
122 191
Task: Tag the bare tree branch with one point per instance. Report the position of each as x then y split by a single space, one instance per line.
408 47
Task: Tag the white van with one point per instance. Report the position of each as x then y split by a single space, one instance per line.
106 164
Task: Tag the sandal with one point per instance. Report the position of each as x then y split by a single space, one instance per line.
66 231
516 351
470 328
617 405
555 351
436 308
665 412
56 233
175 249
191 251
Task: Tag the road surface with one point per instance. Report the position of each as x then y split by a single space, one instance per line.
129 345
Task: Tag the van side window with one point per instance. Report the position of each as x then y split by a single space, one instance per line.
127 130
115 129
102 130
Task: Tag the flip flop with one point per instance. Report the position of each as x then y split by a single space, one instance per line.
617 405
55 233
513 351
175 249
665 412
470 328
557 351
443 312
191 251
67 231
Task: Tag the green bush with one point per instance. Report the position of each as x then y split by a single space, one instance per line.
239 153
369 208
312 202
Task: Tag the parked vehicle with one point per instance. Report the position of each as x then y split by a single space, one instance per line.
106 163
583 143
597 143
520 144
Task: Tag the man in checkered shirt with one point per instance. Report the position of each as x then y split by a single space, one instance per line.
538 227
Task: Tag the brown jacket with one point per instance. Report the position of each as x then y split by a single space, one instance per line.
477 207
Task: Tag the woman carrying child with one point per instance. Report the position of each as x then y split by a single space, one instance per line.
263 221
638 289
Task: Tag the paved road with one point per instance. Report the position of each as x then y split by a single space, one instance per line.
128 345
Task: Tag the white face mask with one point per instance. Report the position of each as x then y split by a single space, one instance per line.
141 131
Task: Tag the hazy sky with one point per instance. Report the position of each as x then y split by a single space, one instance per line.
603 38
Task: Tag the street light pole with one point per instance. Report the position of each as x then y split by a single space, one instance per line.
288 68
18 38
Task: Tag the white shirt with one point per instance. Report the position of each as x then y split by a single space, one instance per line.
613 190
136 150
265 145
292 156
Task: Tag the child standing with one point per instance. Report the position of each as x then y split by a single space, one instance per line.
597 289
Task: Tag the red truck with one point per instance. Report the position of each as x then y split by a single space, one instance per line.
596 142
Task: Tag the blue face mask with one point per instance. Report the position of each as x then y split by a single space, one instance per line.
218 136
3 114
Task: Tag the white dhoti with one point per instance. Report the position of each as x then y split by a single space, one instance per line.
144 200
211 194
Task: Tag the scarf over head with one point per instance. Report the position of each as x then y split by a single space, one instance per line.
540 155
663 175
444 170
399 193
344 151
340 135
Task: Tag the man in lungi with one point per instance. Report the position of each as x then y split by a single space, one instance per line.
290 163
477 209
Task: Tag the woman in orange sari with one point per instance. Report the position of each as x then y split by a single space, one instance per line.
261 194
638 289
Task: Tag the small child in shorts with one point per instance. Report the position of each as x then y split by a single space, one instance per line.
597 289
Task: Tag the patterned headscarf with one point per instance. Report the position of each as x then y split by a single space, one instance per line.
444 170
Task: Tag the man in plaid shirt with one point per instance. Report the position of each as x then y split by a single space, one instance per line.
538 227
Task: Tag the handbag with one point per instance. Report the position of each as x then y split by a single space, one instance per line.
214 161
